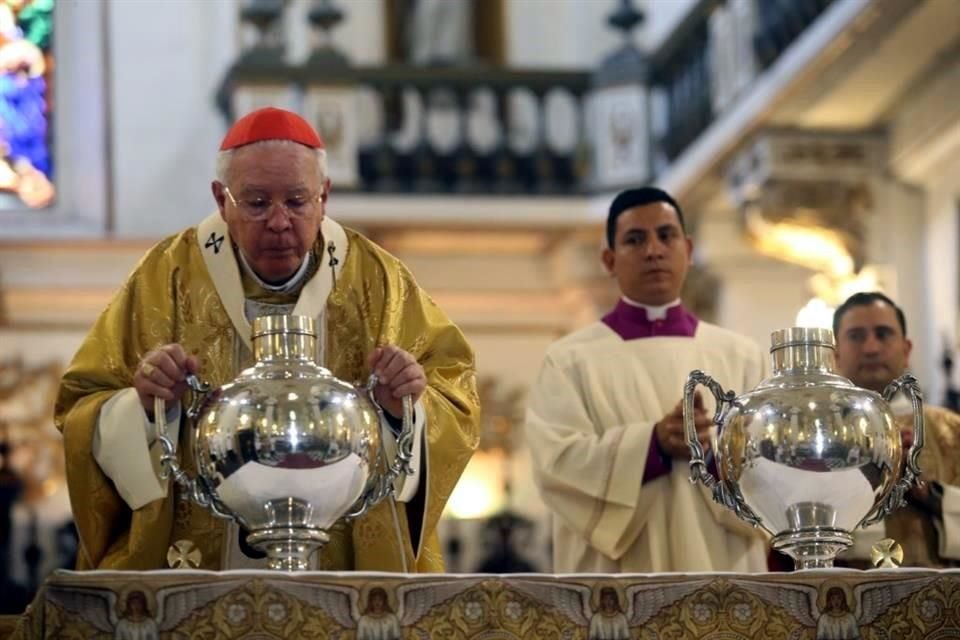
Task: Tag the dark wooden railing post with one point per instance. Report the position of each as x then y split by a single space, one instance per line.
688 75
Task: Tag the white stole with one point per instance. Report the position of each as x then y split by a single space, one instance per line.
217 251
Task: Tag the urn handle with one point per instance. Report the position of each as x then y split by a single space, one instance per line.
911 472
729 497
401 465
197 488
200 392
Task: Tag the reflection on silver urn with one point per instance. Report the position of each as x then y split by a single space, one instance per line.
286 449
807 455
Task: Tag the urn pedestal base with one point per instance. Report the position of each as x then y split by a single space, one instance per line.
288 548
813 548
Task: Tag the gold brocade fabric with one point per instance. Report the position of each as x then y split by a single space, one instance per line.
939 460
814 605
170 298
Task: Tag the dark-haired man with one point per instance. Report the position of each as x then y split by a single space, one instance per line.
872 351
604 419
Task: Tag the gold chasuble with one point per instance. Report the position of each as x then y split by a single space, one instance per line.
188 289
924 543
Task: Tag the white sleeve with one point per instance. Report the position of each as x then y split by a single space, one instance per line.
406 486
949 527
592 481
125 447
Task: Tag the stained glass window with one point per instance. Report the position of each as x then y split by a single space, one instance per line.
26 105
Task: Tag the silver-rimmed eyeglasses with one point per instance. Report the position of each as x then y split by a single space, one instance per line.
258 207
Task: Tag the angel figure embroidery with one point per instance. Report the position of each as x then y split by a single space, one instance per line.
378 621
834 610
135 613
612 615
385 615
135 622
609 622
837 622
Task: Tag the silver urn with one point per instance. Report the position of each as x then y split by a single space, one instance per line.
807 455
286 449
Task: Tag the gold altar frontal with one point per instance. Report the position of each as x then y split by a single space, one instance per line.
877 604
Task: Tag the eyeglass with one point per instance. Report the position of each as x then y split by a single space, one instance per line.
259 207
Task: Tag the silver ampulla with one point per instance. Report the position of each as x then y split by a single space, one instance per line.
807 455
286 449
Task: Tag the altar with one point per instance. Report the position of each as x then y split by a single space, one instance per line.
835 603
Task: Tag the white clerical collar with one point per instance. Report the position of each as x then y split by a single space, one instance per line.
653 313
284 287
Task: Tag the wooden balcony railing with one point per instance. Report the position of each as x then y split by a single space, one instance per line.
713 57
450 129
486 129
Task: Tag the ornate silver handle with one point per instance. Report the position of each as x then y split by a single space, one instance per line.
401 463
729 497
911 474
197 489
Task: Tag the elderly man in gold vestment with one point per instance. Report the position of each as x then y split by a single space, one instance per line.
188 308
872 351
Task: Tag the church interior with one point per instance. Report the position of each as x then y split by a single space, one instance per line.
813 144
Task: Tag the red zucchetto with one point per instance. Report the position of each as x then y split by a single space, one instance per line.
271 123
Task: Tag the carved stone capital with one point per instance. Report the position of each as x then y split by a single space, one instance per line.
817 181
796 155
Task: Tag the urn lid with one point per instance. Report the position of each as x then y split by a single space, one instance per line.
267 325
801 336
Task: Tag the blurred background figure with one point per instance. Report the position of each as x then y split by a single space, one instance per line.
873 350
